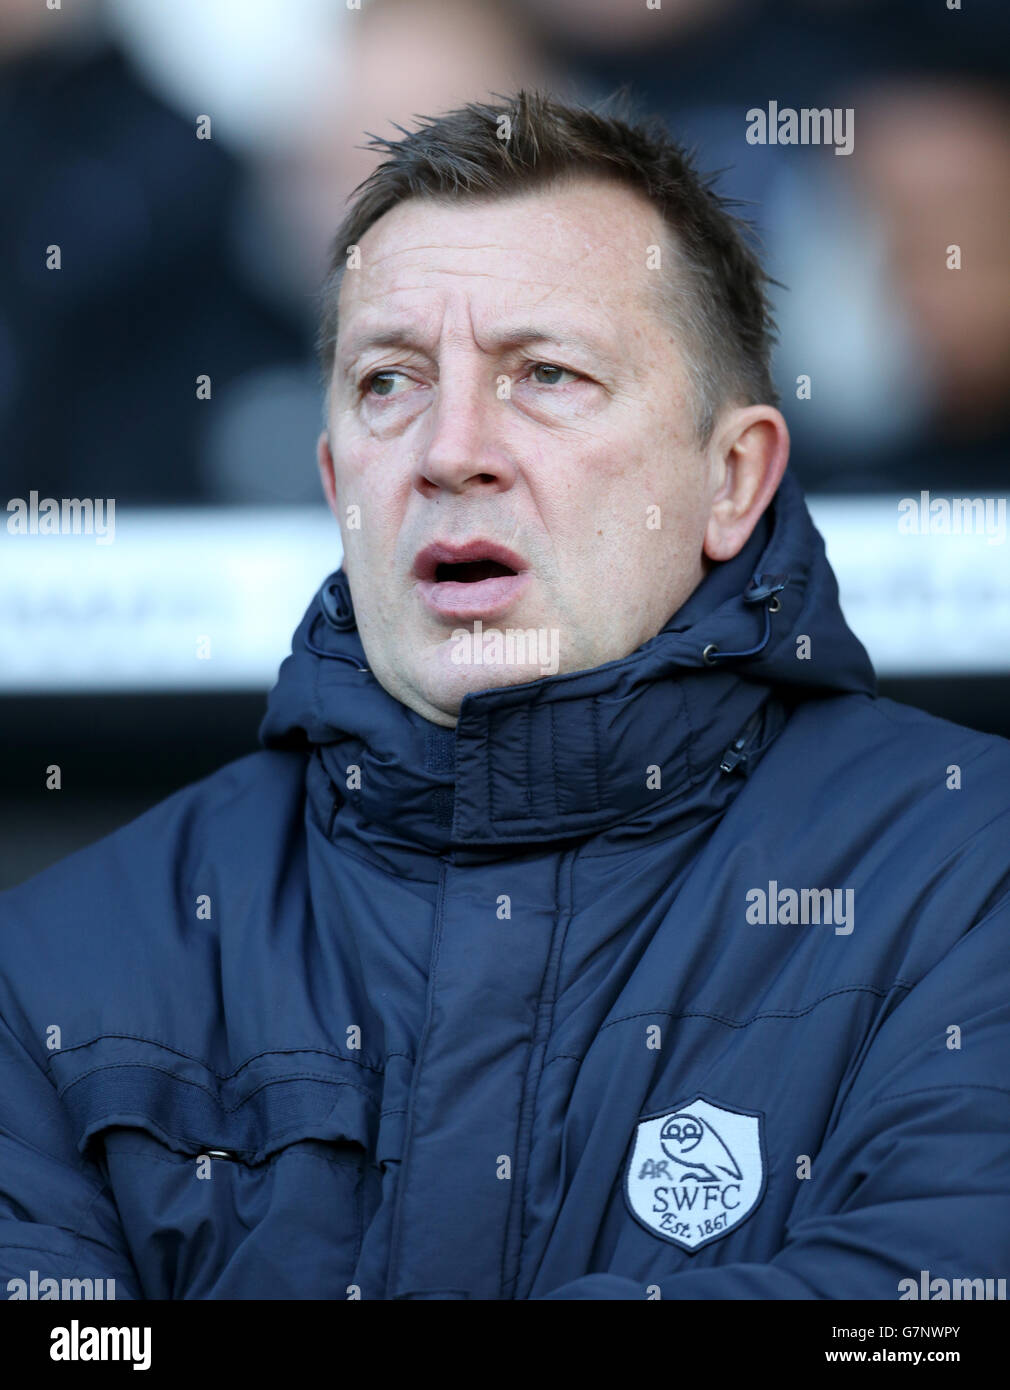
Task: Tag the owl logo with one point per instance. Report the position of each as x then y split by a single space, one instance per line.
683 1135
696 1171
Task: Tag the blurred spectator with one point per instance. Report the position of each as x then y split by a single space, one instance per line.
395 60
908 361
99 359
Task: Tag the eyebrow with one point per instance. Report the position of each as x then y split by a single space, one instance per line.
513 336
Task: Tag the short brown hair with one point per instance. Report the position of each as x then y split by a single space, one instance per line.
720 300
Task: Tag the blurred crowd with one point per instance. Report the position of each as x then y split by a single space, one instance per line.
183 257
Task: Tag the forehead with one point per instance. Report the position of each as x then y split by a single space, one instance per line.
582 245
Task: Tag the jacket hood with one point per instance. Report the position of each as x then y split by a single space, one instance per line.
578 753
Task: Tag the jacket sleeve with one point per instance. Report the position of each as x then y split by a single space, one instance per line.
57 1216
914 1175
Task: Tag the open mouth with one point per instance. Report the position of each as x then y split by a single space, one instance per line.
472 562
476 579
472 571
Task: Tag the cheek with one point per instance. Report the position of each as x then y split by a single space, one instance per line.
355 456
632 531
582 490
371 492
615 504
672 479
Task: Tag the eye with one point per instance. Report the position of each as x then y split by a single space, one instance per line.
547 374
382 383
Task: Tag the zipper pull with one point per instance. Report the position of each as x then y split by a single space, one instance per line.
733 755
736 753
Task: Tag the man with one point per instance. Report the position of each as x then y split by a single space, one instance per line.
588 927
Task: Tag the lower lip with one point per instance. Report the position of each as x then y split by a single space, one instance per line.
487 598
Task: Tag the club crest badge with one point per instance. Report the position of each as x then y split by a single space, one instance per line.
696 1172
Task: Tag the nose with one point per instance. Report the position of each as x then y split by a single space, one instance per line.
464 450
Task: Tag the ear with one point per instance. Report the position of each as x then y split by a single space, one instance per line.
748 455
324 458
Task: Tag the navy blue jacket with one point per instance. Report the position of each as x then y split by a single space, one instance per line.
686 976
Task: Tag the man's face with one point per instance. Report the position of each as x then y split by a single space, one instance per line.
510 442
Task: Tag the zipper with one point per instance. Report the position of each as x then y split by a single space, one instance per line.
739 750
